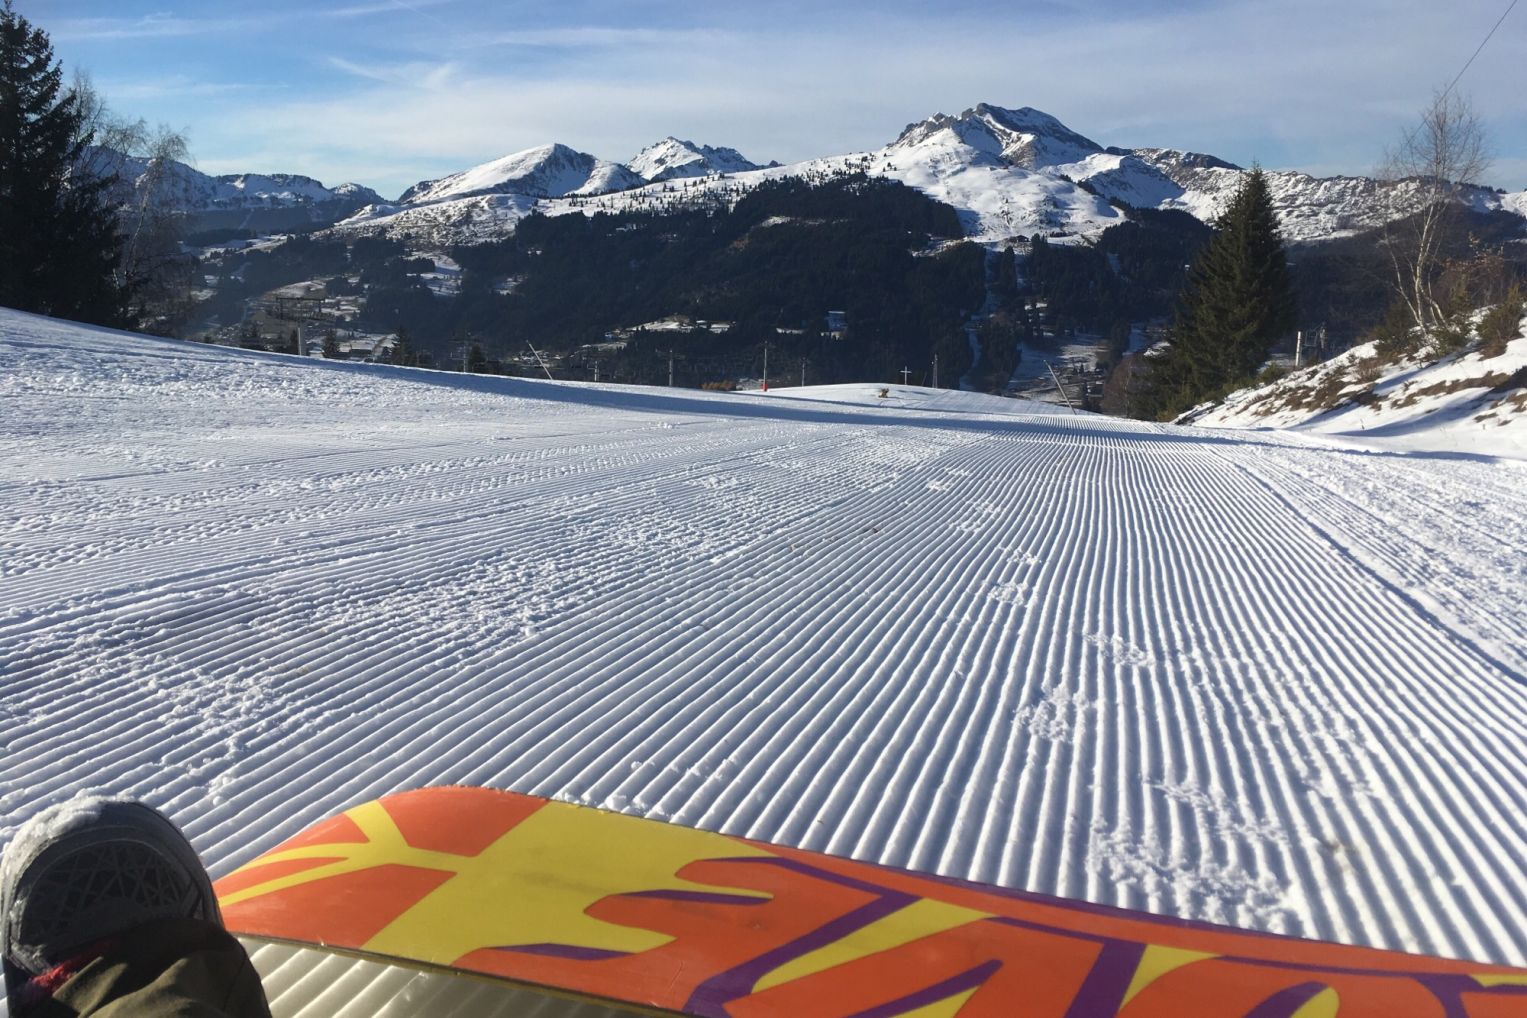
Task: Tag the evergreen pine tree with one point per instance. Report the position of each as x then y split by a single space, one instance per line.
401 351
1005 283
1237 301
59 242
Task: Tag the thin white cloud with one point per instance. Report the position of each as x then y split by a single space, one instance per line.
421 76
608 37
149 26
180 86
419 7
162 25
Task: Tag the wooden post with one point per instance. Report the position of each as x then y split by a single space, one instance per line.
1059 388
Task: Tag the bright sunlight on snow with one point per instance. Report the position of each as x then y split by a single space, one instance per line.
1245 677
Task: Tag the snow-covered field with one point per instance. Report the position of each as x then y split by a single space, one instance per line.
1239 677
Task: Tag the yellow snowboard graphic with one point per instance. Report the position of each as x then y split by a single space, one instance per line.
662 916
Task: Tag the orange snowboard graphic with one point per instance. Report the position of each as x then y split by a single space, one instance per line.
706 924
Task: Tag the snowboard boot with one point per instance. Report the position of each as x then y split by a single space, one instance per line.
78 877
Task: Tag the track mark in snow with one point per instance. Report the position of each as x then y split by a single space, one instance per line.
1224 815
1014 592
1120 651
1057 716
1219 893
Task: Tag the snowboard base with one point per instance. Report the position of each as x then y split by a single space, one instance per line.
304 981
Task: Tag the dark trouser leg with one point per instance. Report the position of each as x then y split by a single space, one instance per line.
172 968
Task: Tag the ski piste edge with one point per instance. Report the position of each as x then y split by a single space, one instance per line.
628 911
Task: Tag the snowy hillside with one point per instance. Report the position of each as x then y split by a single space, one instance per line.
1248 678
1465 402
1309 208
672 158
1010 174
475 220
549 171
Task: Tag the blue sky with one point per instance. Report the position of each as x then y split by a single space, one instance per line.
389 92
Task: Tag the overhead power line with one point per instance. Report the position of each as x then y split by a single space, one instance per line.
1477 51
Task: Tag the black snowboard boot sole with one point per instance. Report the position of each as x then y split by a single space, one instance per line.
84 872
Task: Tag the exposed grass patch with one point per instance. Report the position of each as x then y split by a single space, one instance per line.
1498 381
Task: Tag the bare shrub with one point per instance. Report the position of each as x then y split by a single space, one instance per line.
1428 174
1397 336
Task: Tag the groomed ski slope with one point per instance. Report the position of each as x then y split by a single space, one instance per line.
1244 678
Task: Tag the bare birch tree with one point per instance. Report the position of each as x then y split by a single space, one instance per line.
1428 176
143 164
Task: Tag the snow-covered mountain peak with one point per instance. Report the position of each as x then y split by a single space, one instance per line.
1025 137
358 192
674 157
546 171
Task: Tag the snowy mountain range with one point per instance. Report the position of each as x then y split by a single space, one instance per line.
484 202
257 201
1010 173
198 192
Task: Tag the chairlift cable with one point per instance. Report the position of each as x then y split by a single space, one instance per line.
1470 61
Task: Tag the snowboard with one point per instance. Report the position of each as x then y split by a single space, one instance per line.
601 909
